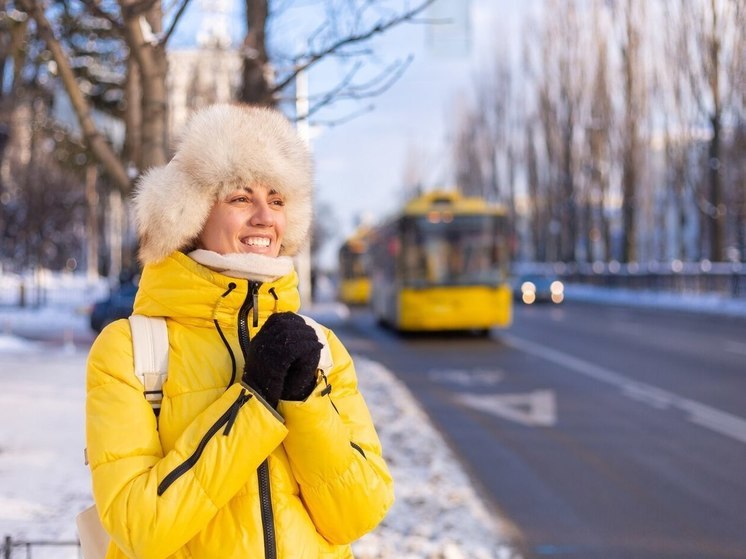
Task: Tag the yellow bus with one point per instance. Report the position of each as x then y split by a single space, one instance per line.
442 264
354 269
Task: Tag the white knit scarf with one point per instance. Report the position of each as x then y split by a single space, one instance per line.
255 267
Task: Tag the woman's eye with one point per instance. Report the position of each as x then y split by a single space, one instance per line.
277 202
241 199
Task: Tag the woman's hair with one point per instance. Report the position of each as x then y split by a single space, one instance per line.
222 148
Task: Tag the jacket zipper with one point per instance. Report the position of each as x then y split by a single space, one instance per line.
243 313
227 420
265 495
268 520
327 392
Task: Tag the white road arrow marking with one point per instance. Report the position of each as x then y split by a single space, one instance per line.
696 412
534 409
466 377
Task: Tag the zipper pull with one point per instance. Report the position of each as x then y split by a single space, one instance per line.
255 302
242 399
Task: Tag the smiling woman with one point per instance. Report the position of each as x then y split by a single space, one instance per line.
263 446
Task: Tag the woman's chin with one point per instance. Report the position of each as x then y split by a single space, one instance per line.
264 251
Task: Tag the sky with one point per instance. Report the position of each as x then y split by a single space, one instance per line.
360 165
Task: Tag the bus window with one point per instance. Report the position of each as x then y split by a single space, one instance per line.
463 250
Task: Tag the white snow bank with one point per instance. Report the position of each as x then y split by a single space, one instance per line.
14 344
437 513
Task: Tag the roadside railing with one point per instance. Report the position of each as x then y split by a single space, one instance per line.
705 277
17 549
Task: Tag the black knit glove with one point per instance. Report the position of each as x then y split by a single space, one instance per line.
283 340
301 377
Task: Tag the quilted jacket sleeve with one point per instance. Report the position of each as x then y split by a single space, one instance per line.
335 455
152 504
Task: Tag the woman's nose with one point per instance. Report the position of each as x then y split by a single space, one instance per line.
262 215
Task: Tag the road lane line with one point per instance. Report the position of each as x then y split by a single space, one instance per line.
735 347
698 413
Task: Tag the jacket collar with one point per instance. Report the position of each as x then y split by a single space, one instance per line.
186 291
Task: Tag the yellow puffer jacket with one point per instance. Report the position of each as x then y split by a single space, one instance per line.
219 473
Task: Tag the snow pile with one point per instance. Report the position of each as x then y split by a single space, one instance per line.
437 513
14 344
704 303
43 481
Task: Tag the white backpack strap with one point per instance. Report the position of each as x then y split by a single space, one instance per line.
325 358
150 349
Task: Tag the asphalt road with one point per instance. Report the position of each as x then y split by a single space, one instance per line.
597 431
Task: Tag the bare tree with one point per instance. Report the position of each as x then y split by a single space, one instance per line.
538 201
713 39
561 94
629 12
598 132
139 25
676 107
468 146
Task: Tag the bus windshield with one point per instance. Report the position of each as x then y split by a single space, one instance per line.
353 264
442 249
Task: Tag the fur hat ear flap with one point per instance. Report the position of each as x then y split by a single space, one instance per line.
223 146
170 211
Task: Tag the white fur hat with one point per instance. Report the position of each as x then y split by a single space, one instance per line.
222 147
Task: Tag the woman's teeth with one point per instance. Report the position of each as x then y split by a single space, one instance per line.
256 242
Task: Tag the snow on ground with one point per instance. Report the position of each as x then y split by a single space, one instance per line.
710 303
437 512
44 483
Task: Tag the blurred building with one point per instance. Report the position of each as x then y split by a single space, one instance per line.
206 73
198 77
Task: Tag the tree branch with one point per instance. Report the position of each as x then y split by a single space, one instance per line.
172 27
95 9
344 119
381 27
93 138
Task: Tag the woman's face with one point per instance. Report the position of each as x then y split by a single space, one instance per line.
249 219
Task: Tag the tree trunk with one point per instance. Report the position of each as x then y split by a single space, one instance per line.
539 250
256 72
718 212
92 230
568 218
132 152
631 61
151 59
